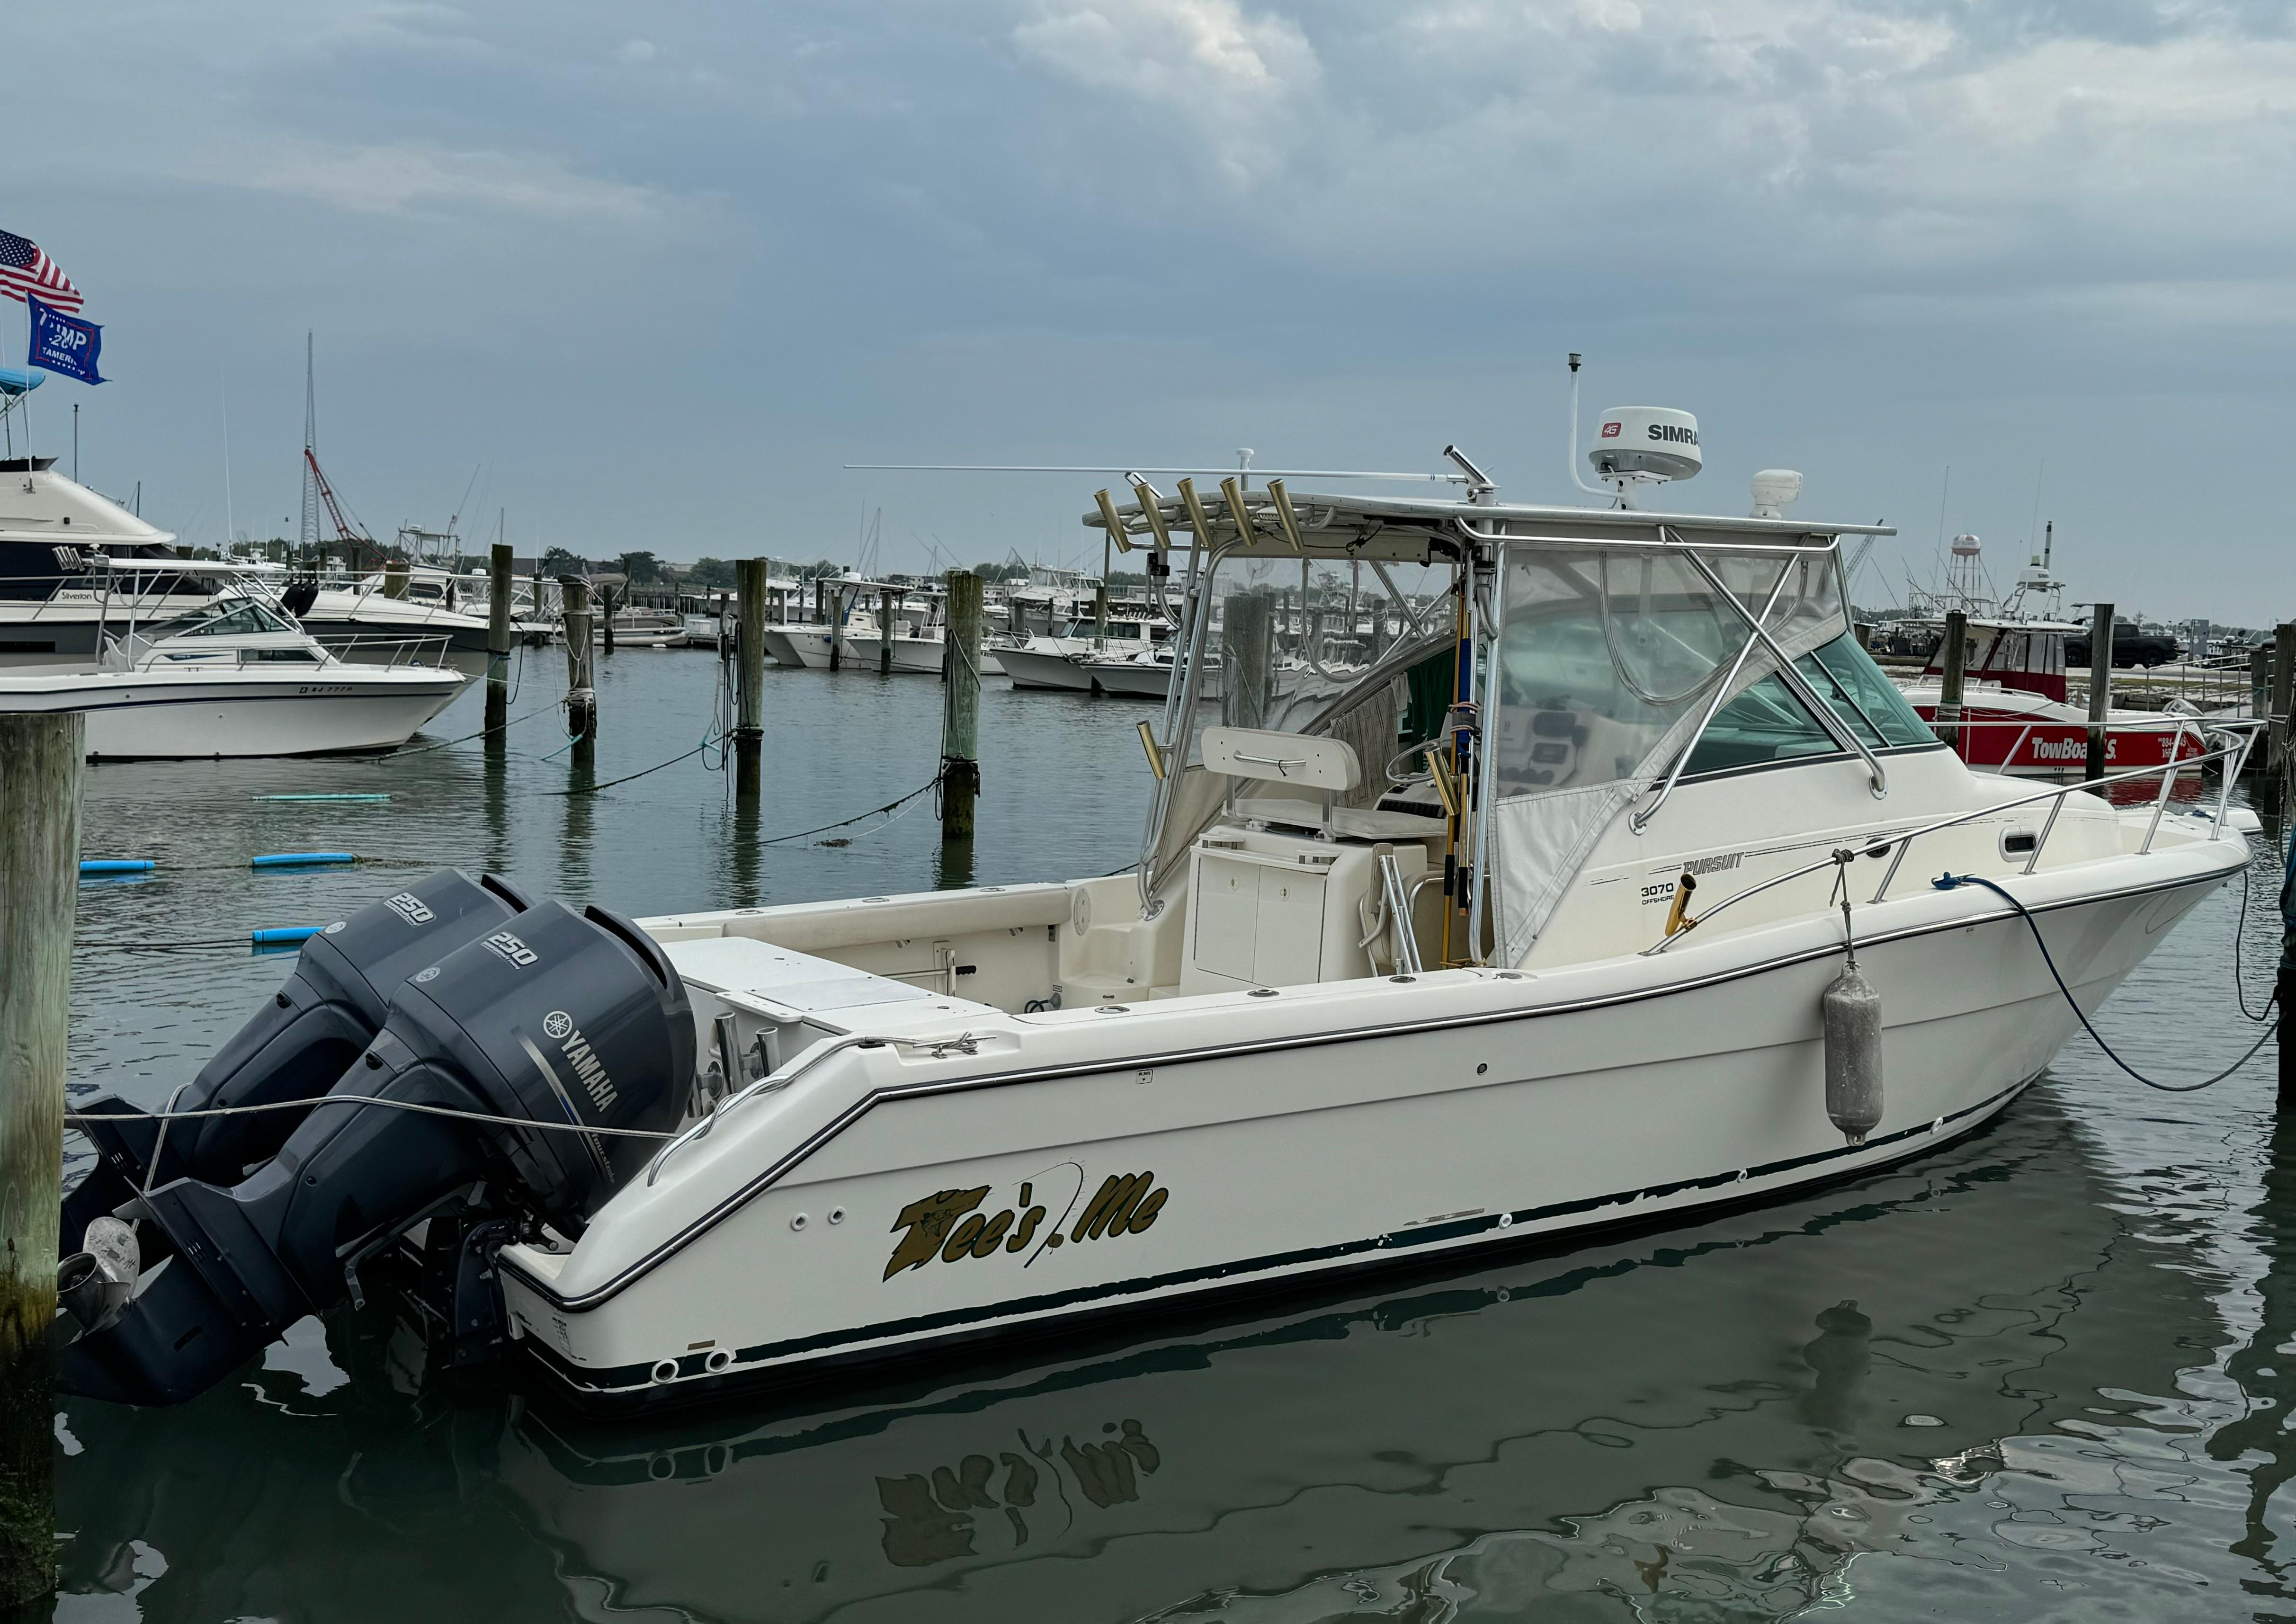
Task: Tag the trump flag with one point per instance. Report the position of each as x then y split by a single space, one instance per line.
64 343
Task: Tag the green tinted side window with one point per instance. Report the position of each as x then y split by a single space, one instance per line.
1765 724
1768 724
1845 675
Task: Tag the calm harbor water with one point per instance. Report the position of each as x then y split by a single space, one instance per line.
2044 1374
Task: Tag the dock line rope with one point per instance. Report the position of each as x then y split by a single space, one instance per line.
172 1115
592 789
1948 881
926 788
417 749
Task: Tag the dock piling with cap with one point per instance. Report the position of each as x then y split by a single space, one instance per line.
960 727
1955 646
750 677
499 577
581 697
40 759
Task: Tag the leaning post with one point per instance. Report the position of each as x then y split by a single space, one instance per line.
581 698
499 579
1956 649
39 889
960 724
750 678
2100 685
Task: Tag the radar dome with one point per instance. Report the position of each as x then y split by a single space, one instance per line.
1645 443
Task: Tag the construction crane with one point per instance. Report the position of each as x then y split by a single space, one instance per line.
349 534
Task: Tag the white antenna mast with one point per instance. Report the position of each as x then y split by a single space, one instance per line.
1592 490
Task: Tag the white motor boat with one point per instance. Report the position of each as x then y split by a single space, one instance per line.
1382 989
234 677
1146 674
922 654
414 612
1062 662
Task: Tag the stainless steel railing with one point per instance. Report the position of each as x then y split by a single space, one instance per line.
2244 733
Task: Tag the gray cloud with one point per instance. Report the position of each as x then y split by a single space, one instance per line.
664 277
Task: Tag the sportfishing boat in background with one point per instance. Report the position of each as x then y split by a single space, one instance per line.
1676 902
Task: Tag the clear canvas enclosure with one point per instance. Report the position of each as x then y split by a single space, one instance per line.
1608 663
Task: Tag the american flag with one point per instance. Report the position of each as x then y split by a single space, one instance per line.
23 269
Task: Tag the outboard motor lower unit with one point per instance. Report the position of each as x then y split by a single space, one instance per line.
566 1022
294 1049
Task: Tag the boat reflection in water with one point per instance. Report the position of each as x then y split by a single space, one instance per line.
1719 1417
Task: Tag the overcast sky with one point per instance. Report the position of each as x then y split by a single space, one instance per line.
663 270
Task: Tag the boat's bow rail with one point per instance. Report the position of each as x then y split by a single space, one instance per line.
2240 737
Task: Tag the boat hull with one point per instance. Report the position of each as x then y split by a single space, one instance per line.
1029 668
911 656
2027 736
1144 1158
179 716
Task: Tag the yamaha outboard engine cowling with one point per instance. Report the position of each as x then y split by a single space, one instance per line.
571 1021
294 1049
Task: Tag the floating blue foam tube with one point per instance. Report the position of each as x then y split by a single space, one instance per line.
321 798
281 936
300 859
115 865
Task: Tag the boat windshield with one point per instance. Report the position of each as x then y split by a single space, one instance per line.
1605 653
238 618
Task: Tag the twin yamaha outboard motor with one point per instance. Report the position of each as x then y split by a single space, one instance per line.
294 1049
515 1042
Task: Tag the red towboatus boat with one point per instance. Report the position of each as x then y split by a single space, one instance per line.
2014 692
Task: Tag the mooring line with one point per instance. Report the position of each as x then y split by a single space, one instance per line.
1948 881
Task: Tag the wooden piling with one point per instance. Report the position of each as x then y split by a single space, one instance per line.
39 889
960 723
750 677
2283 699
581 697
2259 695
1251 636
499 579
1100 611
2100 685
606 615
1956 649
886 605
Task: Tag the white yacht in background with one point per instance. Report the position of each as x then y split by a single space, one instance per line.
234 677
1647 921
74 564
